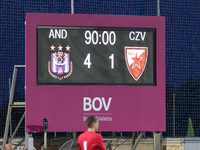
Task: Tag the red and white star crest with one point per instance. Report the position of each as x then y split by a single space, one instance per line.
136 58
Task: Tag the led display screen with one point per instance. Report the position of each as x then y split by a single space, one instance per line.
95 56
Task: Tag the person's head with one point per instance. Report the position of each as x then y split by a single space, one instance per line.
42 145
92 123
8 146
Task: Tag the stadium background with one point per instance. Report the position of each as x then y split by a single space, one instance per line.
182 54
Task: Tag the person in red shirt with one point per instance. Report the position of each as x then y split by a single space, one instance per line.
90 140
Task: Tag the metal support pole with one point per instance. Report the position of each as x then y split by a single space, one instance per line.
74 135
26 139
72 6
5 138
158 7
174 112
10 116
45 140
137 141
22 118
157 141
133 138
71 144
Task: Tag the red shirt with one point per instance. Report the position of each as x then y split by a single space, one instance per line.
90 140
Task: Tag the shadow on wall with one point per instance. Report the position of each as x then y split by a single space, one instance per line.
35 128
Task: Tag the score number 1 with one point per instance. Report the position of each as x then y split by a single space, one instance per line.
88 63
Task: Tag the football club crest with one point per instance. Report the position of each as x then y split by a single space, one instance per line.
136 59
60 66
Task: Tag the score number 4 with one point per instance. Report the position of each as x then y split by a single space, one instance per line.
88 63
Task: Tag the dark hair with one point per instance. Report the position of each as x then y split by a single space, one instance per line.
41 144
90 121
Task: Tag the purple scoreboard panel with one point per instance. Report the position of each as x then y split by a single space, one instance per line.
109 66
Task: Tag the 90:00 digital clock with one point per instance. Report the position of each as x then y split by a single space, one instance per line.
95 38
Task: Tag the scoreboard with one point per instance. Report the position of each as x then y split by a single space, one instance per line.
108 66
95 56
